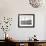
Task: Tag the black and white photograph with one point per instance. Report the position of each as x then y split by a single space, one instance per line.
26 20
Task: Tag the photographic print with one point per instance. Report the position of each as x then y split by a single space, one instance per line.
26 20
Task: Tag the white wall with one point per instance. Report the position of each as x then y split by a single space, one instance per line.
11 8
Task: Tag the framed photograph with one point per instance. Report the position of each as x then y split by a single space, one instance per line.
26 20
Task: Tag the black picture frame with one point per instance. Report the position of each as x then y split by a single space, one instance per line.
26 20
